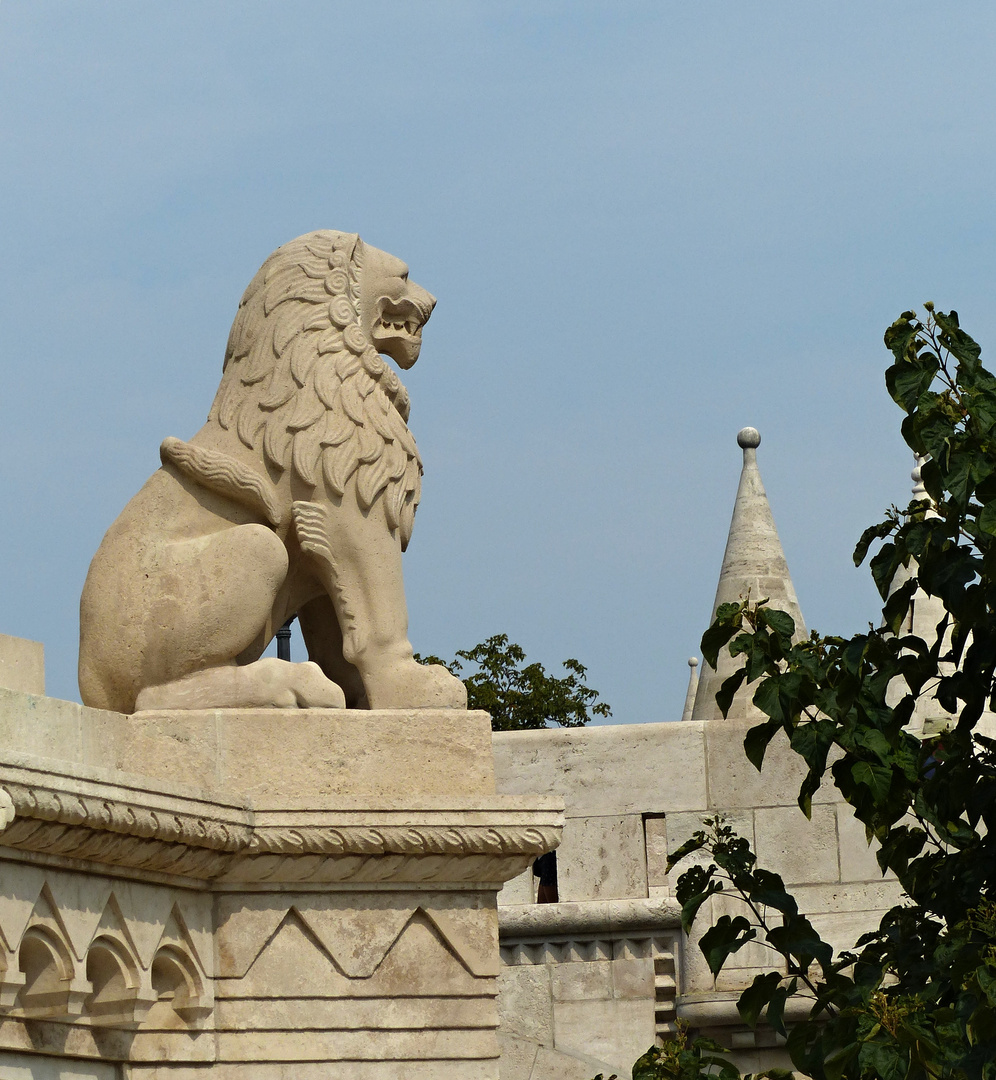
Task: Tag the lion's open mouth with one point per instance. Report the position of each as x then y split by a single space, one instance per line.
400 317
411 326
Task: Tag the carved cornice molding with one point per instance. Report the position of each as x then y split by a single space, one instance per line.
117 826
629 918
121 812
428 839
441 847
113 825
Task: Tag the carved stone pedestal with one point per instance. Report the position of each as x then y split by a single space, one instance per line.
261 895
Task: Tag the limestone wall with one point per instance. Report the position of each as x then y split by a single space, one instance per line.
633 793
252 894
22 664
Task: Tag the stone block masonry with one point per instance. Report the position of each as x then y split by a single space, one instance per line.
578 998
179 899
22 665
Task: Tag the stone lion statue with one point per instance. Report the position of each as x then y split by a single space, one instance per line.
297 497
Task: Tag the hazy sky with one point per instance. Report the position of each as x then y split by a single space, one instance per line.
647 224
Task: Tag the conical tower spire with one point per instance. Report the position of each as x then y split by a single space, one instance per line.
754 562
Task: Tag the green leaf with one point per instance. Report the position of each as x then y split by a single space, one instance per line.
877 778
987 983
767 888
756 997
726 693
727 625
727 936
902 335
887 1061
884 565
690 908
839 1060
961 346
777 697
776 1006
872 739
797 938
907 382
779 621
756 742
987 519
872 533
696 842
898 605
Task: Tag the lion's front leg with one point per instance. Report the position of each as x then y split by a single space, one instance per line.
323 637
359 561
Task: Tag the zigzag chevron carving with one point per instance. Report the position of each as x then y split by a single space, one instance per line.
356 939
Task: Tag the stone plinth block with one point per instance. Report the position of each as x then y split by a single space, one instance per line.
265 754
256 894
22 664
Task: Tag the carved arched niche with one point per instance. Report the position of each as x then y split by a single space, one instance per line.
51 989
179 987
11 979
117 999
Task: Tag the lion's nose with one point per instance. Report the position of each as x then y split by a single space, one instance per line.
425 300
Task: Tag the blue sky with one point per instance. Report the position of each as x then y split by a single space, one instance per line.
647 224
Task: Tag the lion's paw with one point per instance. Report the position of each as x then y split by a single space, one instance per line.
411 685
304 686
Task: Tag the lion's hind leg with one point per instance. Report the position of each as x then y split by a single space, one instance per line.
264 684
231 582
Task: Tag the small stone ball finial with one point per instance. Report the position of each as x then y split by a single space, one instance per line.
693 661
748 438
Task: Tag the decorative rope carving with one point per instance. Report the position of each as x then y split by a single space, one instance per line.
113 849
404 840
120 817
333 869
118 831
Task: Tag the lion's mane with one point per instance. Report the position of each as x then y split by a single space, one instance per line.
302 384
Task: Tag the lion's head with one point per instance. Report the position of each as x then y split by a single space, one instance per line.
303 381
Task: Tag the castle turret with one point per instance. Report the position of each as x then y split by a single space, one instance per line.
753 563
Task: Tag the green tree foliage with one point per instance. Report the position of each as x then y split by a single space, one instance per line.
520 697
915 998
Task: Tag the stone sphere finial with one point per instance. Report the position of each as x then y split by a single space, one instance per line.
748 438
693 661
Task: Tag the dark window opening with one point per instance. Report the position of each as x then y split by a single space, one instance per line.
545 868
